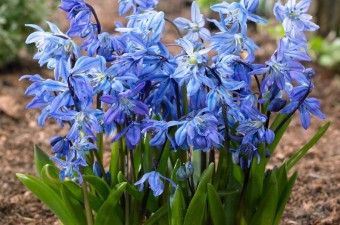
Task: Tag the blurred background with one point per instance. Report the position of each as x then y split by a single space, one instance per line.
316 196
14 14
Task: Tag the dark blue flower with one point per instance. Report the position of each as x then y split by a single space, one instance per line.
132 133
123 105
159 132
199 132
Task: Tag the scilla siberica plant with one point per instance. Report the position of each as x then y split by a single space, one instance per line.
191 133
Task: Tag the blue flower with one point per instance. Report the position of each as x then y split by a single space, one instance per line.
195 27
70 169
251 6
133 135
155 182
85 121
235 17
234 43
150 25
159 131
280 68
105 45
60 145
245 154
307 107
80 15
199 132
54 48
191 69
123 105
294 18
136 5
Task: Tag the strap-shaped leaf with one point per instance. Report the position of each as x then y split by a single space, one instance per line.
77 193
40 159
50 175
279 134
157 215
114 163
48 196
266 210
299 154
178 208
130 188
106 214
215 207
284 198
197 206
254 187
73 206
282 178
101 187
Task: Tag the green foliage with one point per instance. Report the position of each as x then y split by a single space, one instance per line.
326 52
14 14
248 197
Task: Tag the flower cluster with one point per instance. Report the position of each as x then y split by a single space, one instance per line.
130 85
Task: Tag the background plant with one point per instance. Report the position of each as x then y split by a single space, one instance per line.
13 16
191 136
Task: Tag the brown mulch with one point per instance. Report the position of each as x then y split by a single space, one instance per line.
316 195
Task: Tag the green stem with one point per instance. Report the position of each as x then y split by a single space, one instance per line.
242 196
121 154
185 100
100 146
88 211
174 25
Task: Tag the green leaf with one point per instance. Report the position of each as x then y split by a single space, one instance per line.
130 188
178 208
48 196
114 163
215 207
163 163
228 192
106 215
157 215
266 210
254 187
40 159
282 178
100 146
284 198
77 193
73 206
280 133
196 209
50 175
299 154
101 187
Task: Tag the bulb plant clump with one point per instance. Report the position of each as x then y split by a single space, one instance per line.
191 132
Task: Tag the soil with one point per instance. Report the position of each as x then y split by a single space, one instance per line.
316 196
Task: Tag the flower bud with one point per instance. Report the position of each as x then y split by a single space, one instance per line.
185 171
96 169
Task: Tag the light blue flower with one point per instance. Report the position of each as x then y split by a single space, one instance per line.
155 182
191 67
195 26
294 18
